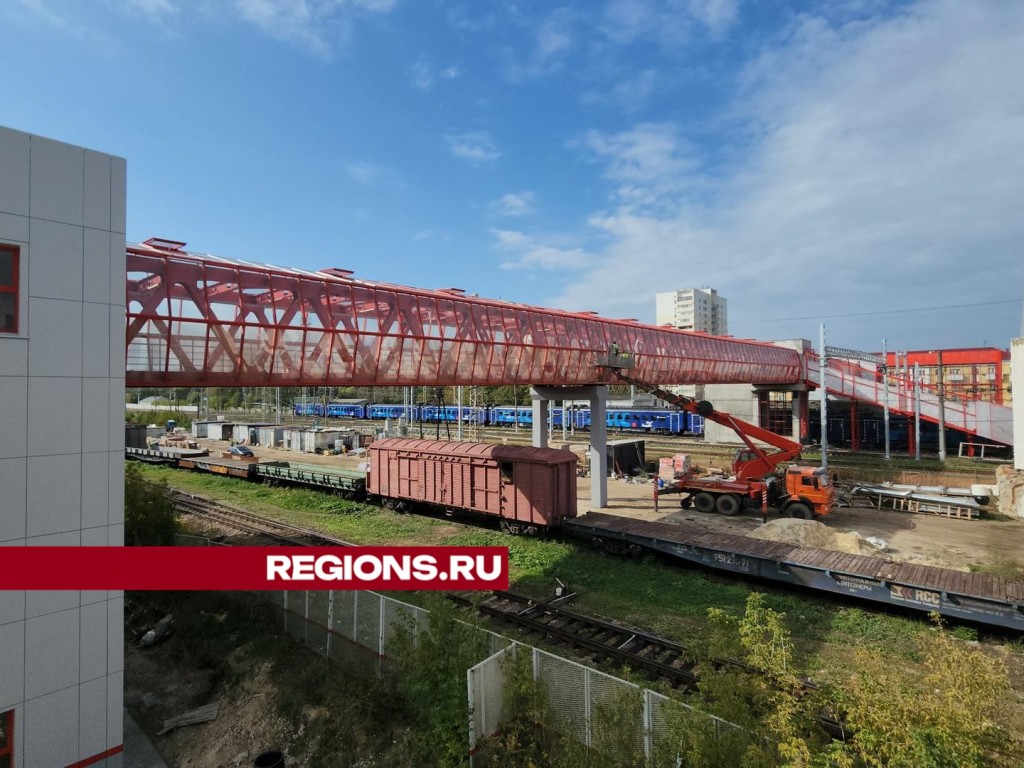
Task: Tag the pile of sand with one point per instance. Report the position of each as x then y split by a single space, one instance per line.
811 533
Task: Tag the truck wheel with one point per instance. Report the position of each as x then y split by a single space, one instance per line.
728 504
800 511
686 502
704 502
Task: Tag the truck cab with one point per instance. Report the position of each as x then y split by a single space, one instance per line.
810 488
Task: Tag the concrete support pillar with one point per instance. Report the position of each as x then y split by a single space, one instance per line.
764 405
1017 385
854 426
599 447
800 415
597 396
540 419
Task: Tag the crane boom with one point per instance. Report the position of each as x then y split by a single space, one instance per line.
750 465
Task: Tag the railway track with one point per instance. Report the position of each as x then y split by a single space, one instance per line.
248 522
656 657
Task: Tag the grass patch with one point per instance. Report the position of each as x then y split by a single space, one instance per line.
667 599
1004 567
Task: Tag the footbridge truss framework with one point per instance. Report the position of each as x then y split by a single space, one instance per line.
198 320
864 381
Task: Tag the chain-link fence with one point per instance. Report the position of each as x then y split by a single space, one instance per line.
334 623
329 622
574 694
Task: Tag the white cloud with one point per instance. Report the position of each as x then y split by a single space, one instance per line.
514 204
650 163
881 170
717 15
629 94
424 76
669 23
318 26
41 11
524 252
156 9
477 147
372 174
552 41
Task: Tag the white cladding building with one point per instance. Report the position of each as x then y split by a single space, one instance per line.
62 305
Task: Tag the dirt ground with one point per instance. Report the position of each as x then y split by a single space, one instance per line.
915 538
157 688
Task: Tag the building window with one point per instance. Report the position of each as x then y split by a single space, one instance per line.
9 288
7 739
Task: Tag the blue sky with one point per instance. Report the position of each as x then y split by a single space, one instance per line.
841 161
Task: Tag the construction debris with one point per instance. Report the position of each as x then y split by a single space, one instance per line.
158 633
811 533
202 714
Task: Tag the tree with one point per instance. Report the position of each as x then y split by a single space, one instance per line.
149 517
937 714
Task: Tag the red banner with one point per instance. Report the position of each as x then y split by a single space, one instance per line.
258 568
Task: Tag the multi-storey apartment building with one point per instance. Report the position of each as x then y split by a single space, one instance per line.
693 309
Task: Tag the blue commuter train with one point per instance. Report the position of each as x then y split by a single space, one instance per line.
659 420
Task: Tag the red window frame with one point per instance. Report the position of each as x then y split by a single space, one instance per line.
13 288
7 750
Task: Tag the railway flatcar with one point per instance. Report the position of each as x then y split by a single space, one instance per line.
529 489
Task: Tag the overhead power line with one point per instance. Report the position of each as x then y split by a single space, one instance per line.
895 311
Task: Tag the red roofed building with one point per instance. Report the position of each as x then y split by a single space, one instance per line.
978 373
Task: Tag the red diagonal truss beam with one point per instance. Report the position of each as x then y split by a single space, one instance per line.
195 321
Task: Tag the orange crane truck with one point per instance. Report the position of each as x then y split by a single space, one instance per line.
757 477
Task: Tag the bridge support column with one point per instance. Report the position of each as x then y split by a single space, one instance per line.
598 399
541 410
801 414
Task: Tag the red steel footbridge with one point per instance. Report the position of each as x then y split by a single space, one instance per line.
195 320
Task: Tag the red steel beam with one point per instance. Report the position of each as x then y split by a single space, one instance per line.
196 321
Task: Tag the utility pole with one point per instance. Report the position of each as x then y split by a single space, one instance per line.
942 408
917 411
822 363
885 397
458 413
515 407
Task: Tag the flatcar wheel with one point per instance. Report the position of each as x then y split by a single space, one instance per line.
800 511
597 543
728 504
704 502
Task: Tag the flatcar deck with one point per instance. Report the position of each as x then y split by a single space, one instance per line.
958 594
233 467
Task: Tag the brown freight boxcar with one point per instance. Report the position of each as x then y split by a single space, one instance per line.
528 488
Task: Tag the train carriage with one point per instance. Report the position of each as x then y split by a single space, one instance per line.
346 411
392 411
528 488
